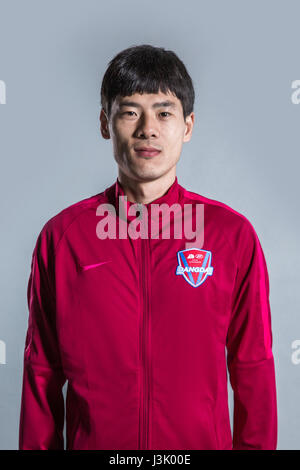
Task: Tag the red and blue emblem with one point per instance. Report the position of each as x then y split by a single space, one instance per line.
194 265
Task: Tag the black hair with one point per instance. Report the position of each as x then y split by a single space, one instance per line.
147 69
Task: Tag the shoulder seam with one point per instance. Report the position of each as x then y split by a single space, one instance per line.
214 202
222 205
71 222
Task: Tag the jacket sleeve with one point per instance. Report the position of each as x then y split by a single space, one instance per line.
42 403
250 359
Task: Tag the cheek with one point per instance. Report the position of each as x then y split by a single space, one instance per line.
173 134
119 132
120 141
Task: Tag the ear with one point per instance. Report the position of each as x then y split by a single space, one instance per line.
104 129
189 123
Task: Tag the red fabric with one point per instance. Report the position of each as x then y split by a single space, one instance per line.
144 351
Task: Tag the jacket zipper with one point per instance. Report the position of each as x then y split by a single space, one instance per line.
144 429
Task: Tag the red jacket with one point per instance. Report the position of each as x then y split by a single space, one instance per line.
142 330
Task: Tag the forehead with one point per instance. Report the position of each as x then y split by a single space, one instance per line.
149 100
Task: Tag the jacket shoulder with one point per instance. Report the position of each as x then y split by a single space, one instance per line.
235 226
55 227
218 208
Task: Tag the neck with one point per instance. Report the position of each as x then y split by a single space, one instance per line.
144 192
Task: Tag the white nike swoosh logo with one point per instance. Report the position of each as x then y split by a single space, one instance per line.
91 266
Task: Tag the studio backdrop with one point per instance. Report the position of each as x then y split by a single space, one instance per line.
244 151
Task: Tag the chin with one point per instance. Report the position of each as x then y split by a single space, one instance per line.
146 177
148 174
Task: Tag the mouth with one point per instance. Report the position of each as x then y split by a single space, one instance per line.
147 151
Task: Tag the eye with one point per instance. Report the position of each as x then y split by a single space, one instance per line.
127 112
165 112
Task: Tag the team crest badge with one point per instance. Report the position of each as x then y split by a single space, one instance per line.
194 265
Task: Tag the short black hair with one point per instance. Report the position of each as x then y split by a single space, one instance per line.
147 69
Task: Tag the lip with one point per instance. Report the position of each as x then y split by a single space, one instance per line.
147 151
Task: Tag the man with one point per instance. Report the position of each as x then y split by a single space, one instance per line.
139 324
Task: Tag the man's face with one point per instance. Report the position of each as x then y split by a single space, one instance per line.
147 120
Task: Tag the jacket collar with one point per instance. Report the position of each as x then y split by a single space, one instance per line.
116 196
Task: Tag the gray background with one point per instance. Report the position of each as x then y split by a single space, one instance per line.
242 56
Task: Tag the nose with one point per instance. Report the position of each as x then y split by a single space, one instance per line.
148 127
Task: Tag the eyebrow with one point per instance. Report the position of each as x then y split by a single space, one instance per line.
165 104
